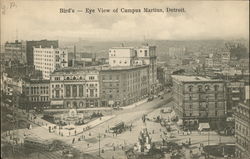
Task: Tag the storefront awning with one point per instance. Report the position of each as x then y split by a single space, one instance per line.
56 102
203 126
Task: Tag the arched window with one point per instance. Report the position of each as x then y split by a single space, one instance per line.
74 78
67 78
81 104
206 87
190 88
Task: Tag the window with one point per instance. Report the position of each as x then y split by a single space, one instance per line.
215 95
146 53
80 91
190 88
190 97
68 91
74 91
91 92
206 87
57 93
200 88
216 87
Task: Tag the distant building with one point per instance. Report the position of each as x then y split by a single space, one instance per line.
177 52
15 51
36 92
121 86
49 59
82 59
198 99
34 44
74 88
23 71
242 129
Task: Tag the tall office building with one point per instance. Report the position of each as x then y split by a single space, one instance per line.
49 59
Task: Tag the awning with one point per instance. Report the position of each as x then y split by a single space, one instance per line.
203 126
60 102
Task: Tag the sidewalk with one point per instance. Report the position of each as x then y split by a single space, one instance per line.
135 104
70 130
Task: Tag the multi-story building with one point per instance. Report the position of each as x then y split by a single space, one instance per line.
30 45
235 92
120 86
198 99
147 54
74 87
49 59
15 51
121 56
242 129
177 52
130 56
36 92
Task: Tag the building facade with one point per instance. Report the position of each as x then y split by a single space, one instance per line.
147 54
15 51
37 94
121 56
49 59
121 86
74 88
235 92
242 129
30 45
198 99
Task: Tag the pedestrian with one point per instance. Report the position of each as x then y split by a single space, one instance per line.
88 144
73 140
75 132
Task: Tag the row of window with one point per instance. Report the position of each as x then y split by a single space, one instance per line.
200 114
200 88
39 99
241 128
200 97
90 85
242 111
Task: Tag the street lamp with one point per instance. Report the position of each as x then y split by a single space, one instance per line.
99 145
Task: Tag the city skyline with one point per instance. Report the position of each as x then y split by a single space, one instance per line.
201 20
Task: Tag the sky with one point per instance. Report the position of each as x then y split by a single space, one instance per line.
34 20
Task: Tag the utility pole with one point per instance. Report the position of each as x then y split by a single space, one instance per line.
99 144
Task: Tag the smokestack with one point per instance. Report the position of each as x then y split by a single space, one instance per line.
74 57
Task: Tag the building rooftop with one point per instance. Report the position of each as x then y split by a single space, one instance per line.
123 47
107 67
192 78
